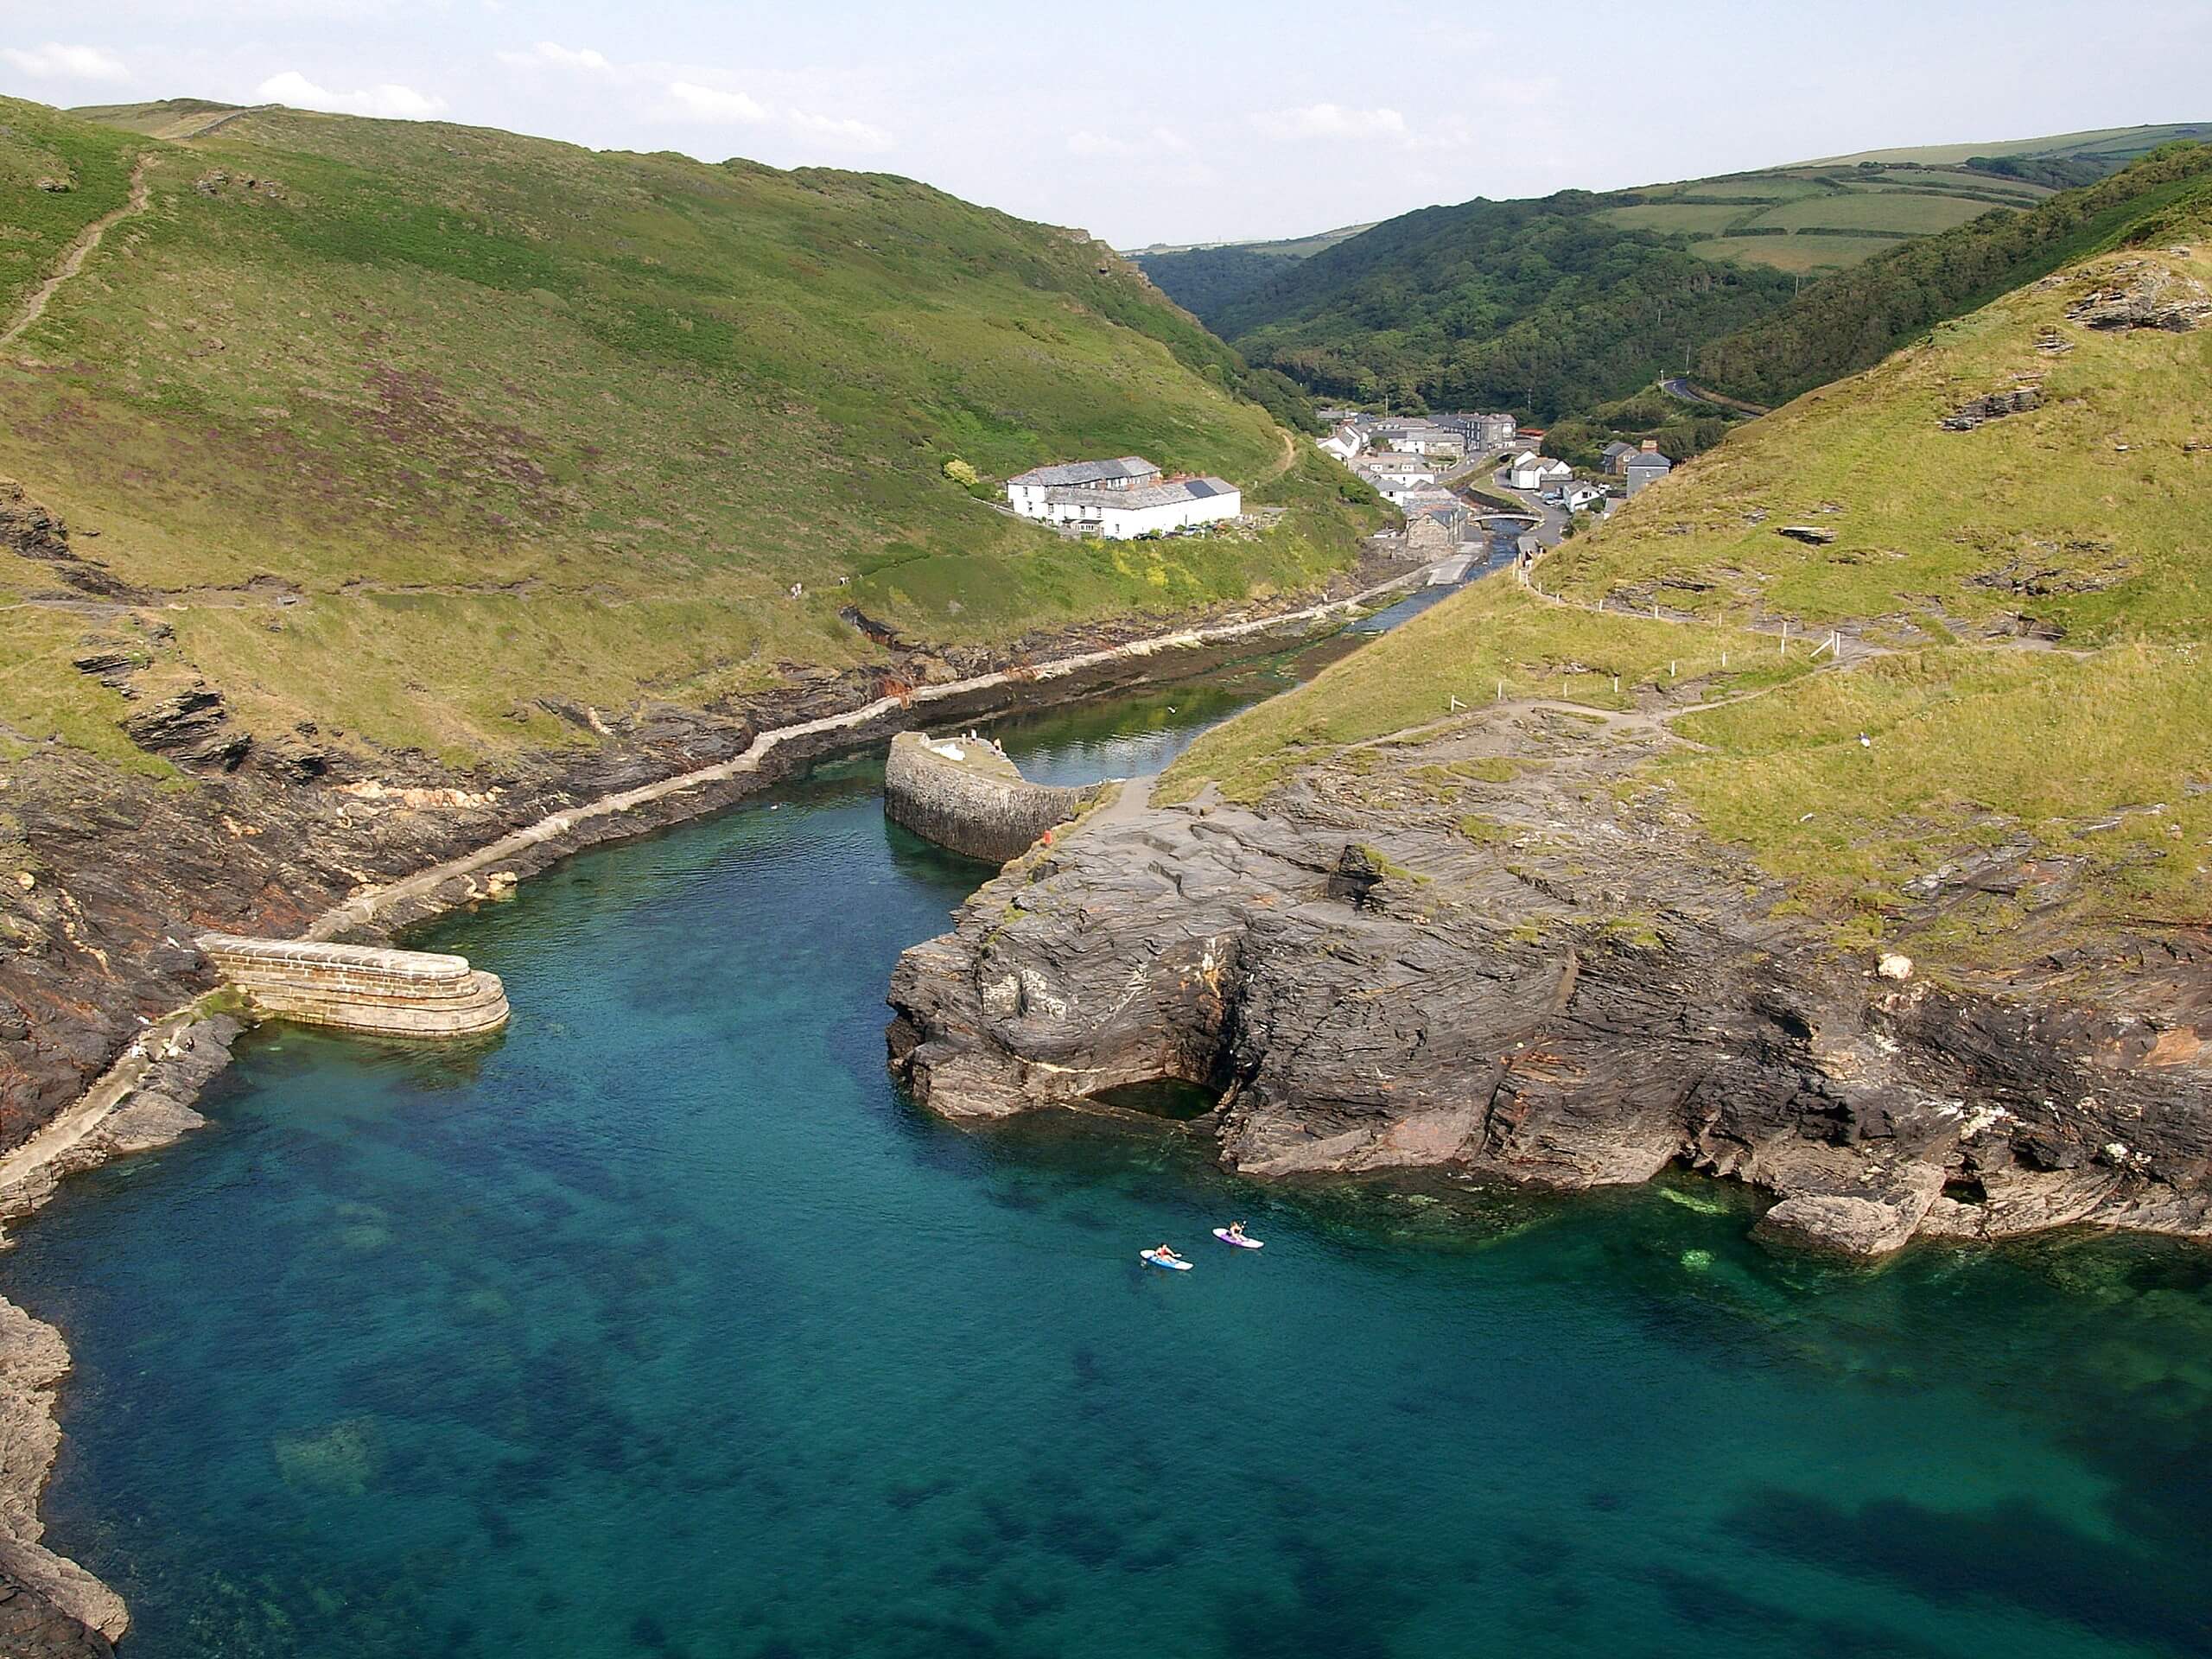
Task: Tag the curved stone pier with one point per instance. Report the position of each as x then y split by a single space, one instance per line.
963 793
361 987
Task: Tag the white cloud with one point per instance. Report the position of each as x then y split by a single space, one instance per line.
1159 141
689 101
844 133
386 99
54 61
1331 121
559 56
1525 94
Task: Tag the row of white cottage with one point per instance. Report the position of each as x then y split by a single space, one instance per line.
1121 499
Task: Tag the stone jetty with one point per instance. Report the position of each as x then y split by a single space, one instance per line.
963 793
361 987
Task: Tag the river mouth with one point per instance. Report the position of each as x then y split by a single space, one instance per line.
665 1325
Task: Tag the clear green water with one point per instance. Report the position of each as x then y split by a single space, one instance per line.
664 1327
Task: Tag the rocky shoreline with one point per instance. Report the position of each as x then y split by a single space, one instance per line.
117 1025
1569 987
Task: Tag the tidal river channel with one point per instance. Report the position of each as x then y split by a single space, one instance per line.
664 1326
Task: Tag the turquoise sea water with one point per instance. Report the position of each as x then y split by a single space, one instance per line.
664 1326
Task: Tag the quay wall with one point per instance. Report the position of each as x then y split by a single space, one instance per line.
964 794
361 987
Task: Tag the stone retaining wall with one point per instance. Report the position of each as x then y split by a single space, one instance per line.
361 987
963 793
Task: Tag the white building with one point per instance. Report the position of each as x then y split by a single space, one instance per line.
1431 440
1345 443
1026 492
1383 471
1530 471
1122 515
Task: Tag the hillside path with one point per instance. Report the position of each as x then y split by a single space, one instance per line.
73 261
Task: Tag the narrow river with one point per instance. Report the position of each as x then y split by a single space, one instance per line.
664 1327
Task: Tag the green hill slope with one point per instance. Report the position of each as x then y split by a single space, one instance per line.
2110 147
2024 610
1857 317
1551 307
1542 307
1205 277
398 427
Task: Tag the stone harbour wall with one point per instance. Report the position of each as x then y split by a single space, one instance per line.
361 987
964 794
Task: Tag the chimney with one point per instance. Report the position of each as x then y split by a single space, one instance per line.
1651 445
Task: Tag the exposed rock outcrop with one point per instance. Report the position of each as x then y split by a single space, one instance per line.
1993 406
2144 294
1560 990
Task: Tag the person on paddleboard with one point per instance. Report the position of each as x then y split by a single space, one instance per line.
1165 1253
1237 1231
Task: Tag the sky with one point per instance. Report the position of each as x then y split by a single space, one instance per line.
1172 122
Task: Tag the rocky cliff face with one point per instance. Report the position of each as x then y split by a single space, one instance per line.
1565 989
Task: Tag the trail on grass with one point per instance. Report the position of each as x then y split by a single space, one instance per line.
73 261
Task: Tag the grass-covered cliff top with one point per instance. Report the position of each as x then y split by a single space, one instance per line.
2033 600
502 418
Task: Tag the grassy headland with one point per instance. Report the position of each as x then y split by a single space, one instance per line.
401 427
2035 596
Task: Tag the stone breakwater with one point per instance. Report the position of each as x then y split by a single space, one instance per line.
1579 990
963 793
360 987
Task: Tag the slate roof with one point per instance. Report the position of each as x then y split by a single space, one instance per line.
1153 495
1077 473
1617 448
1162 495
1650 460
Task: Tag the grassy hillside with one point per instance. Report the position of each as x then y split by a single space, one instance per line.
1550 307
2034 598
1205 277
41 149
399 427
1858 317
2113 147
1541 306
1819 217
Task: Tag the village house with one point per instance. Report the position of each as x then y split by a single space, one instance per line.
1493 432
1429 506
1530 471
1645 467
1615 456
1577 496
1407 468
1345 443
1433 532
1434 441
1123 515
1025 492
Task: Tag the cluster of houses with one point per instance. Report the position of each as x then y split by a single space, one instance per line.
1638 464
1445 437
1121 499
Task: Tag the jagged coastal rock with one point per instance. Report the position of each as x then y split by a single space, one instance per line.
1575 991
965 794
